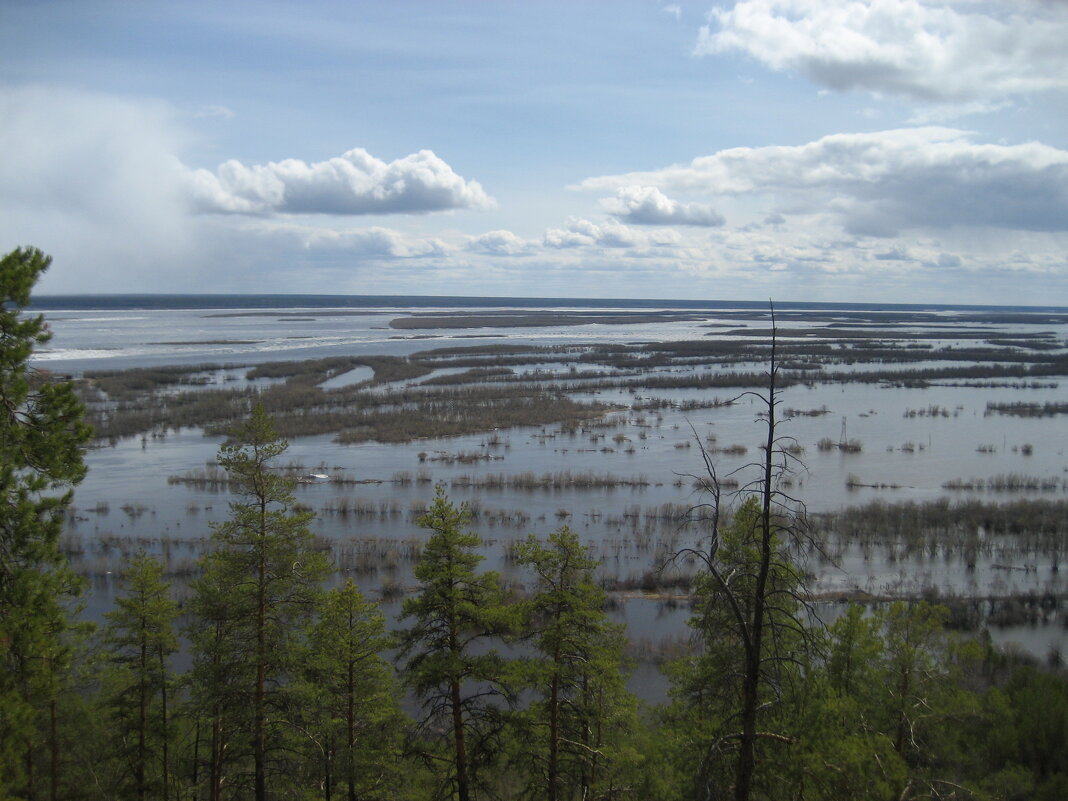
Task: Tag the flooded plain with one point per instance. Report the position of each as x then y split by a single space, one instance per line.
907 415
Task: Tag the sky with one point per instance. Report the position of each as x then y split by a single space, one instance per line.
898 151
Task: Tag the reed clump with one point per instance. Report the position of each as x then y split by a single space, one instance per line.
1006 482
560 480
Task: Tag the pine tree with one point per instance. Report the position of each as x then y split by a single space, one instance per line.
41 440
349 706
219 681
140 639
449 666
576 746
260 587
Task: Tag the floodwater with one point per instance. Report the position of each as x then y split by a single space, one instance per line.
912 442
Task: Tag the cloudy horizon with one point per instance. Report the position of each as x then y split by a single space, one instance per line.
813 150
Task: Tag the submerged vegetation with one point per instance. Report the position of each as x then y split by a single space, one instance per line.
457 390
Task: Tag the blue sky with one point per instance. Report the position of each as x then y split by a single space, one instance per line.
864 150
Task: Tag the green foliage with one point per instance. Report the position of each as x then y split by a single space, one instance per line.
1022 744
259 589
891 707
576 737
348 700
706 686
140 640
844 750
41 440
449 665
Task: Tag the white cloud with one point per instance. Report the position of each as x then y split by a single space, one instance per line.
647 205
880 183
937 52
373 241
97 182
500 243
579 232
353 183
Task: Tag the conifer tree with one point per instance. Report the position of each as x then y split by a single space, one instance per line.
349 703
140 638
219 682
41 440
449 666
577 729
260 587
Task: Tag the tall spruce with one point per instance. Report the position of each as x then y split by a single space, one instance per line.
450 664
42 436
259 589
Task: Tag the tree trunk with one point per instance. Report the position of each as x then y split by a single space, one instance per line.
554 729
902 712
166 734
587 779
215 776
350 727
328 769
259 725
462 790
53 735
751 681
31 791
142 715
196 760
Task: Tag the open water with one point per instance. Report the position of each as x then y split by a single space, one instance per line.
127 499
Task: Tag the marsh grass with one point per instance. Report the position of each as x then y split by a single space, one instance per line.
550 482
489 395
1006 482
1020 409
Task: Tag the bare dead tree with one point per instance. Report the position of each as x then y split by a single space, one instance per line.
756 601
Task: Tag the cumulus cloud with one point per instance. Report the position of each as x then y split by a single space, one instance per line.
579 232
880 183
500 243
353 183
944 53
647 205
